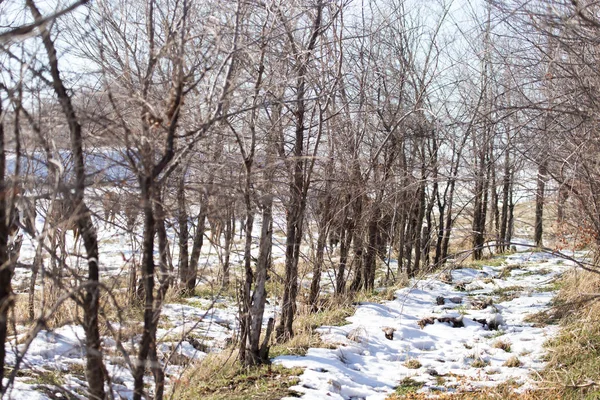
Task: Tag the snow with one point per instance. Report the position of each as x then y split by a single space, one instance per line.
366 365
186 331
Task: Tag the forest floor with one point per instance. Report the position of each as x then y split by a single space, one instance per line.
497 305
456 332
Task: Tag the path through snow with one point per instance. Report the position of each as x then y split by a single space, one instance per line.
366 365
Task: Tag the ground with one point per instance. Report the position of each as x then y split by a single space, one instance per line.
438 358
383 351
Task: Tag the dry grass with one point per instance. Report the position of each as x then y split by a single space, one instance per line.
512 362
480 363
412 363
114 307
221 377
333 312
407 387
66 313
502 344
574 355
504 391
542 318
501 392
506 271
387 293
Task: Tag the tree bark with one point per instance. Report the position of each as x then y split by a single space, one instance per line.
6 272
505 200
190 279
259 297
323 231
182 219
539 203
149 333
94 363
298 183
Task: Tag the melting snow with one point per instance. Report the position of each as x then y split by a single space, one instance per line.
367 365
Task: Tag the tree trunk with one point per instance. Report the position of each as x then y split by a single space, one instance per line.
260 354
563 195
494 200
323 232
94 363
511 210
298 185
539 203
149 334
190 279
182 219
165 266
229 233
35 268
449 222
358 240
246 337
6 272
419 222
345 243
505 200
294 237
408 240
401 228
370 255
479 207
441 203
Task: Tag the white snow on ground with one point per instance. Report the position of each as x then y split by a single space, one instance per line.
186 331
60 353
366 365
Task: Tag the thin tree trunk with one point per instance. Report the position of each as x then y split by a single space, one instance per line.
35 268
370 256
149 333
345 243
6 272
494 200
190 280
182 219
420 217
298 185
246 317
165 266
449 223
484 206
94 363
408 241
358 240
418 231
539 203
511 210
323 231
563 195
229 233
401 227
505 195
259 297
479 206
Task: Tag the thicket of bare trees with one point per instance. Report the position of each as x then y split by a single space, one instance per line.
360 132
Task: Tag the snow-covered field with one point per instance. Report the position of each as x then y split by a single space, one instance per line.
52 365
54 361
367 365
